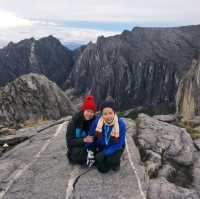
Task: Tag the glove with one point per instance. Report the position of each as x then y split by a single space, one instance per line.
90 158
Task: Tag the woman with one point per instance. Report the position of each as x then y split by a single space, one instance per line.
77 138
110 138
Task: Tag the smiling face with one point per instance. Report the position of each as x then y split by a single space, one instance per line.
108 114
88 114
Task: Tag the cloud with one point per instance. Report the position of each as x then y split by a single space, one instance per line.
27 18
9 20
39 29
142 11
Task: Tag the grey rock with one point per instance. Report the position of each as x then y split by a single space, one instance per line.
44 172
28 133
37 171
7 131
196 173
132 180
168 172
171 142
33 97
131 127
165 118
153 164
188 94
12 139
171 160
197 144
197 128
161 188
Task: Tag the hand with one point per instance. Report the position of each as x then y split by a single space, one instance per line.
88 139
90 158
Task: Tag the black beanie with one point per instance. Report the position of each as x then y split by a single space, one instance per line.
108 104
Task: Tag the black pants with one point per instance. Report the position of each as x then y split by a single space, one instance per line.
109 162
77 155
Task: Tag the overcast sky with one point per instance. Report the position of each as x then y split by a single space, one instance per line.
82 21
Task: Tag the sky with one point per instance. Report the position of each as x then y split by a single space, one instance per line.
81 21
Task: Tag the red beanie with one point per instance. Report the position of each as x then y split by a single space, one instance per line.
89 103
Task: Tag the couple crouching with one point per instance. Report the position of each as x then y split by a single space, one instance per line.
96 139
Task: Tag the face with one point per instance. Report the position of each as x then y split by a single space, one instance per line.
88 114
108 114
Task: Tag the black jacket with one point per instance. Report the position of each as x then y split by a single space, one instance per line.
77 123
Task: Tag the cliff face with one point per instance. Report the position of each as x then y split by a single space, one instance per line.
141 67
138 67
33 97
188 94
45 56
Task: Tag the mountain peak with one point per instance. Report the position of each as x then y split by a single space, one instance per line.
49 38
44 56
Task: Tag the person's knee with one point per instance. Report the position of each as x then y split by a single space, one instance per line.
100 157
114 159
78 160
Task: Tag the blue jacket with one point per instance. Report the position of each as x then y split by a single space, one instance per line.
110 147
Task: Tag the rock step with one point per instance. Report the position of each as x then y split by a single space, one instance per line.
38 168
